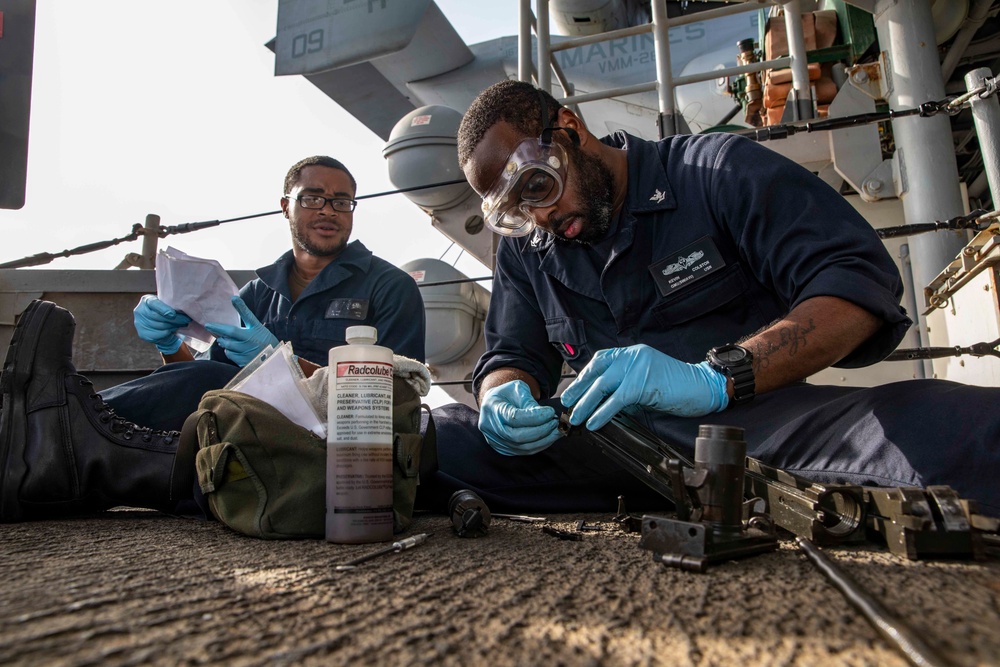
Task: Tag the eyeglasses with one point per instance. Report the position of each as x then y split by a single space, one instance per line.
316 202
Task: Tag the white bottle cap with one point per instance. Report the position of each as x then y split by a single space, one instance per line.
362 335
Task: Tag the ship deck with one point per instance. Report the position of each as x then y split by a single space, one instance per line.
134 587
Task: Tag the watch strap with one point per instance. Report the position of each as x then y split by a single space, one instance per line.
741 373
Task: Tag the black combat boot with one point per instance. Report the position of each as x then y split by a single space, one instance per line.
63 450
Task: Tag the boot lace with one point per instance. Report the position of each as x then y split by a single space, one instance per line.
119 425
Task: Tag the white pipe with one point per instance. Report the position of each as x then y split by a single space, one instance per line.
801 98
544 54
925 156
986 116
524 41
664 77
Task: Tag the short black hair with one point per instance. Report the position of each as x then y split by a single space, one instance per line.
292 177
515 102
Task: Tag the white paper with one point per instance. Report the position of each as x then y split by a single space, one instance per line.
278 381
199 287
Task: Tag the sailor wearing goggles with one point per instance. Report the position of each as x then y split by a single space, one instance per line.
529 186
532 178
680 278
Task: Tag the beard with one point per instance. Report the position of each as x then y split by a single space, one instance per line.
301 240
597 195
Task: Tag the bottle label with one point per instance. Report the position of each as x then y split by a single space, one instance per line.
363 403
361 473
359 457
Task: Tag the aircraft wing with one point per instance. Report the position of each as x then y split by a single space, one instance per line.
362 53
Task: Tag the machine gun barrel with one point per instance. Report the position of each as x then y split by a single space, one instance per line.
826 514
914 522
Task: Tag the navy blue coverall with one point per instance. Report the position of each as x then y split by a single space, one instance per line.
357 288
718 238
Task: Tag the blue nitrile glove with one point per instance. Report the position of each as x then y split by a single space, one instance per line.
157 323
514 423
242 344
640 375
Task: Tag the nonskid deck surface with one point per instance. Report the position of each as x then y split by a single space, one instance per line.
136 587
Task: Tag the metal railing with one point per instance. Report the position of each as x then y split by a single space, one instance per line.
665 82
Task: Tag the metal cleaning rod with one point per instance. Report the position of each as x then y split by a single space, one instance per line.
902 637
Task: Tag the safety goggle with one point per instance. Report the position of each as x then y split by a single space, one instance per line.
532 177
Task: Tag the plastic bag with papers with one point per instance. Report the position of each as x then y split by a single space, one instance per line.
276 378
200 288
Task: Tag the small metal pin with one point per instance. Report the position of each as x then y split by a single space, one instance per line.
520 517
395 547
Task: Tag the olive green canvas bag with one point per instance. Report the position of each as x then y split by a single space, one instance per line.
265 476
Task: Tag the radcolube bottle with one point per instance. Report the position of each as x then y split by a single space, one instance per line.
359 441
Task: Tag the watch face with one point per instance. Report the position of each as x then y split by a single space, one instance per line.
731 355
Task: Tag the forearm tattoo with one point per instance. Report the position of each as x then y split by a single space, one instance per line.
790 337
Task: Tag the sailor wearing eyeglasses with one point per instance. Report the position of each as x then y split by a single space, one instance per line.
308 296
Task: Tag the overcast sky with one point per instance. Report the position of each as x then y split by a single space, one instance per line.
172 108
142 106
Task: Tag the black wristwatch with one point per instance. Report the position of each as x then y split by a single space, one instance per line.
735 362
